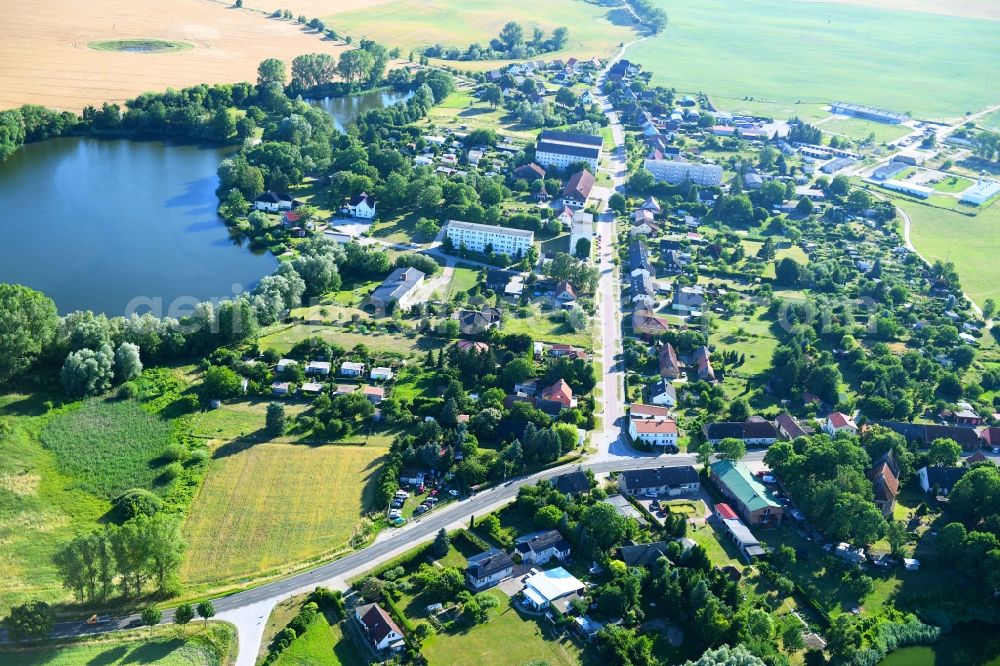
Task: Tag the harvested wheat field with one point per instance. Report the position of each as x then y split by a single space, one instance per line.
47 60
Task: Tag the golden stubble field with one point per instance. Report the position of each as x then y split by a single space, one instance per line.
46 60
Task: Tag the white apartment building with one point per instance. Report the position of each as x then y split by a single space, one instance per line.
475 237
674 172
560 149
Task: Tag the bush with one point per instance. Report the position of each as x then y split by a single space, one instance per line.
171 472
175 453
136 502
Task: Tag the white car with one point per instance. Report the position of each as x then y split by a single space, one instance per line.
395 513
453 493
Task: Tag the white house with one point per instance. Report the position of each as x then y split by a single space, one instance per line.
273 202
381 374
285 363
671 481
542 547
663 393
560 149
654 432
839 422
488 568
352 369
318 368
379 628
360 206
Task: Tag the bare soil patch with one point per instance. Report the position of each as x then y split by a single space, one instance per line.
47 60
982 9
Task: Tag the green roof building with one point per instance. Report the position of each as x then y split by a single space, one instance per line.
754 501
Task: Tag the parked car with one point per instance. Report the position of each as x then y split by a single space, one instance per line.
431 500
423 508
453 493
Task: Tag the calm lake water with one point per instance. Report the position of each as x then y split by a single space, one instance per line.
95 224
973 644
345 109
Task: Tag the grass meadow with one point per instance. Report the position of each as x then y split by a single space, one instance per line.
192 646
109 446
972 243
788 51
858 128
323 644
414 24
264 506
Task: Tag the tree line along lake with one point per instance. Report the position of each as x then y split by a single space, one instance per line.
96 224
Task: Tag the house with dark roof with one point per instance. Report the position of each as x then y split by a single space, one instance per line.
940 480
638 259
751 499
669 481
488 568
497 279
273 202
379 628
529 172
663 393
923 434
578 189
753 432
360 205
642 554
542 547
478 321
703 363
788 427
572 483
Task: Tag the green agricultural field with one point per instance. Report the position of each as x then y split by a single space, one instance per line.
856 128
264 508
414 24
506 640
992 120
169 646
789 51
972 243
108 445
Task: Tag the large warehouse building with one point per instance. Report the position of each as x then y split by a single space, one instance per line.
560 149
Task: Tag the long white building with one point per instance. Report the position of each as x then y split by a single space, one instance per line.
560 149
475 237
674 172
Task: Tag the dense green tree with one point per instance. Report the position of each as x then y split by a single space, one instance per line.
275 419
271 71
28 322
33 620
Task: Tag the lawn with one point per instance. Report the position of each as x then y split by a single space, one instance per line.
461 108
953 184
284 338
322 644
549 328
462 280
506 640
108 445
192 646
414 24
972 243
858 128
789 51
266 508
747 335
809 112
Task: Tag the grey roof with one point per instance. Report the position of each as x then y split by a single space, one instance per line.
572 482
489 563
399 283
642 554
542 541
571 137
568 149
741 430
662 387
473 226
967 438
945 478
664 476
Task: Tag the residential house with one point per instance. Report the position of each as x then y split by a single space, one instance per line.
529 172
412 477
381 374
478 237
670 366
472 346
642 554
561 393
753 432
560 149
311 388
743 538
280 388
990 437
660 432
400 289
638 259
360 206
643 290
487 569
663 481
753 501
566 217
472 321
561 349
940 480
923 434
703 362
967 416
663 393
565 293
379 628
578 190
352 369
497 280
284 364
646 324
555 588
652 205
572 483
375 394
582 228
318 368
788 427
272 202
689 298
840 422
542 547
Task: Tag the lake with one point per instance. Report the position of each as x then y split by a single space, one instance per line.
345 109
972 644
95 224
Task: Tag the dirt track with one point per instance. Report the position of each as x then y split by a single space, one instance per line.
46 60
